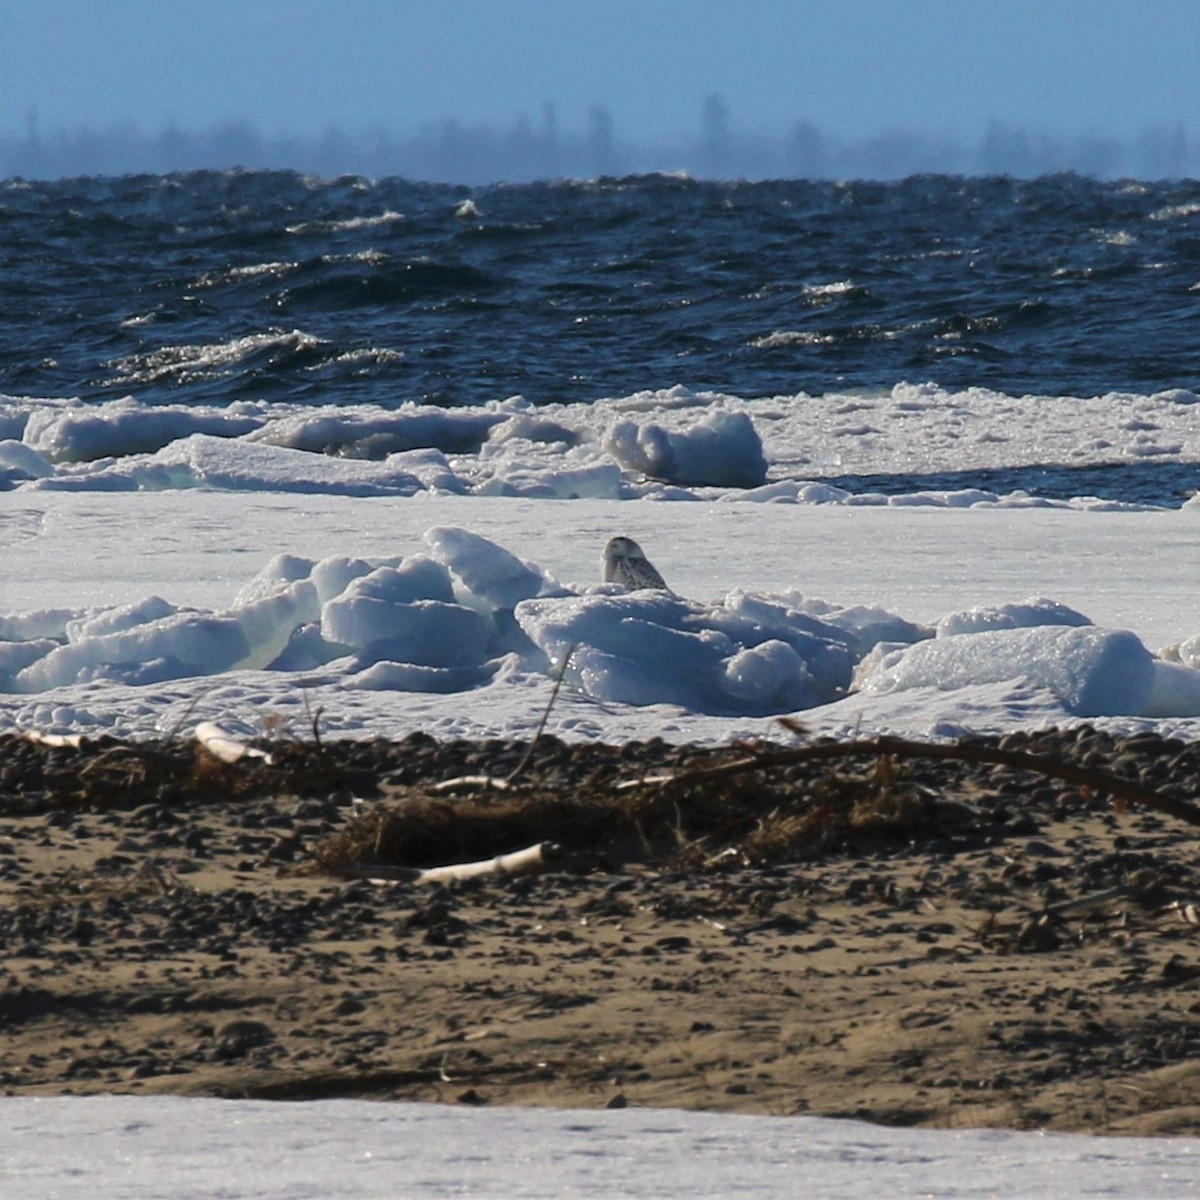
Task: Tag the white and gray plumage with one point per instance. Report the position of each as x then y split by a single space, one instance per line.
626 564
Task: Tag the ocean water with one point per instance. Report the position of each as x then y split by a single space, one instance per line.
219 286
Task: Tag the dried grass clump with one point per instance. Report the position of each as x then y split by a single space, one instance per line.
290 767
848 810
760 820
422 829
428 830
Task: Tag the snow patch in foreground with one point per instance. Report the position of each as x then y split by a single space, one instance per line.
167 1148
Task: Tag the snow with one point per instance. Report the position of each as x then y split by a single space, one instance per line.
156 1148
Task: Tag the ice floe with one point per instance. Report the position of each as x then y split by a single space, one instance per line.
671 443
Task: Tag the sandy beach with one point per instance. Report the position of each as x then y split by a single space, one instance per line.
911 942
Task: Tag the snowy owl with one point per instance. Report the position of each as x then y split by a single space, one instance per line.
624 563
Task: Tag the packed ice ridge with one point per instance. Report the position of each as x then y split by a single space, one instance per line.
459 613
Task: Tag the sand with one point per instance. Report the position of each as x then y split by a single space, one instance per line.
167 928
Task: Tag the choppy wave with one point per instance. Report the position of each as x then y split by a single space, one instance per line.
568 292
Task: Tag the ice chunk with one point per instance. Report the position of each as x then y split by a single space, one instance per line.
40 623
532 427
749 619
305 649
238 465
331 576
792 491
654 648
415 578
963 498
23 462
1176 692
124 616
428 633
1035 611
387 676
269 622
550 473
370 432
282 570
723 449
488 571
431 469
769 677
1094 672
122 427
1187 652
881 657
187 644
375 605
864 625
16 656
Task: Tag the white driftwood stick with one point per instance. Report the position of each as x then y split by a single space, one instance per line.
470 781
519 862
626 785
223 745
1085 904
74 740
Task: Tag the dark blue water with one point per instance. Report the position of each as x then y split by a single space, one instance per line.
572 291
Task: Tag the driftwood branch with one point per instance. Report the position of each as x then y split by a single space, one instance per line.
121 751
222 744
537 737
520 862
54 740
1087 904
1098 781
467 782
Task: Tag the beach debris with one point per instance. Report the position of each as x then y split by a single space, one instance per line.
73 740
1100 782
520 862
222 744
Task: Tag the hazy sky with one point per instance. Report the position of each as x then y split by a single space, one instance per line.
852 67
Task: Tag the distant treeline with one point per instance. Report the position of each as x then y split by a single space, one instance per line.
539 149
